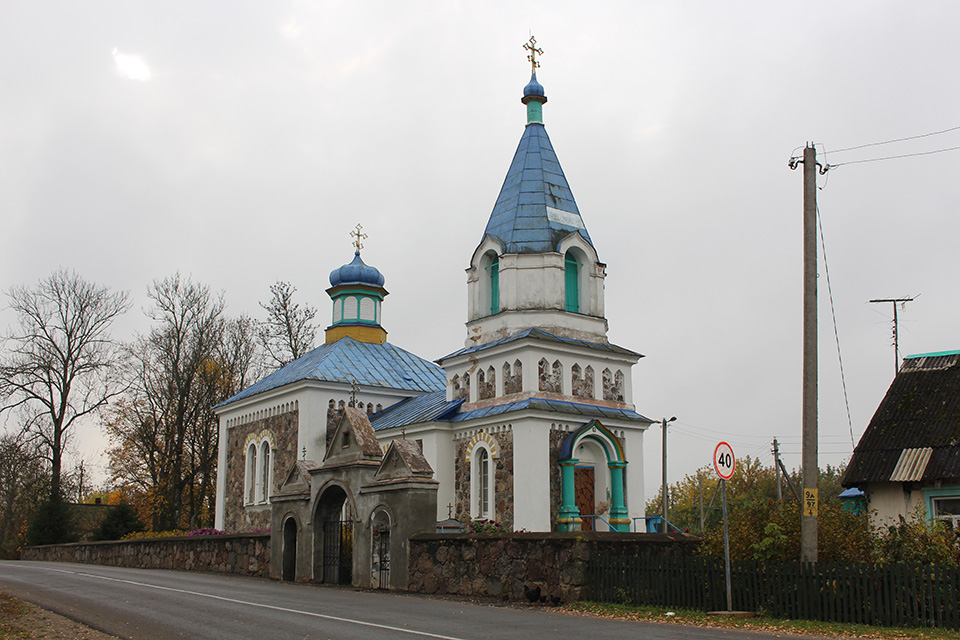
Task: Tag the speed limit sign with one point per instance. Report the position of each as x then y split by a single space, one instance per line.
724 461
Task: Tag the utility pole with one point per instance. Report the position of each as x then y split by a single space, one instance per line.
664 423
896 332
776 466
809 504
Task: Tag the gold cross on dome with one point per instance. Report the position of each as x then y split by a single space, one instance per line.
531 46
359 235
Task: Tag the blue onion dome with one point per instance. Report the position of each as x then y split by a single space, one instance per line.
357 272
533 88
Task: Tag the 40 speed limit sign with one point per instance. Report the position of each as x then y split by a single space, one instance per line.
724 461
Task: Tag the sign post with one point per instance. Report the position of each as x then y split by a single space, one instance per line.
725 463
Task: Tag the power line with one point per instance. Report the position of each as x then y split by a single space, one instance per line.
876 144
905 155
836 333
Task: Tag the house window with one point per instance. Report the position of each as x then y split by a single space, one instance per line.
947 510
572 282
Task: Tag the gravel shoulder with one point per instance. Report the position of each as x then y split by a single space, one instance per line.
21 620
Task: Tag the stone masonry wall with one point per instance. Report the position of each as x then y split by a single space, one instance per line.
238 517
502 485
247 555
502 565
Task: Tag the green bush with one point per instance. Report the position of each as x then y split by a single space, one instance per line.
52 524
120 520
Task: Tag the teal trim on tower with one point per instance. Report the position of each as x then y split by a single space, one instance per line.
535 210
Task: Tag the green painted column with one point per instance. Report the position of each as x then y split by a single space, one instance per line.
619 516
569 515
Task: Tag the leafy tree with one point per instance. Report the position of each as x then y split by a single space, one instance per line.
61 363
919 540
119 521
288 332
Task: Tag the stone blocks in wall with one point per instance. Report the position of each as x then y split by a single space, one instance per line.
246 555
498 565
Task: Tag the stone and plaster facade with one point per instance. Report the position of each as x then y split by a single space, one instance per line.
337 521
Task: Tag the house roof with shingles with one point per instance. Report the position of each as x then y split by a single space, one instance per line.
914 435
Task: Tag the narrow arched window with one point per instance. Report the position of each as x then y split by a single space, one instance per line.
483 483
265 472
494 270
572 282
252 474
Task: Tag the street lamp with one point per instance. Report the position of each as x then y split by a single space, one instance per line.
664 423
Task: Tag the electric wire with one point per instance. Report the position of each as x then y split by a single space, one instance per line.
905 155
877 144
836 333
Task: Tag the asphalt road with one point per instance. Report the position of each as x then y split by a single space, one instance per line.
153 604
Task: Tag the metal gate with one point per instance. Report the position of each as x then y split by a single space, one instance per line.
338 552
381 557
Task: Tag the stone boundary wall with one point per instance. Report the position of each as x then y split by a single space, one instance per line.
503 565
242 554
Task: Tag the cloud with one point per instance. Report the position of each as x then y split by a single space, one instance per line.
130 66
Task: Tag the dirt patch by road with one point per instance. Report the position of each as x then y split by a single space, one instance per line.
21 620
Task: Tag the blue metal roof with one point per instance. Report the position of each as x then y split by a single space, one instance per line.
543 335
423 408
557 406
356 272
535 209
371 365
433 407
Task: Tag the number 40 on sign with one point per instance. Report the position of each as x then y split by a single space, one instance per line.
724 461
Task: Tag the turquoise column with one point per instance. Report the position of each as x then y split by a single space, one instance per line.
569 515
619 516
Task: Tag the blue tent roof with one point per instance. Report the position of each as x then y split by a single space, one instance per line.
535 209
540 334
346 360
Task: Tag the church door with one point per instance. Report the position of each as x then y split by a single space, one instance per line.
583 488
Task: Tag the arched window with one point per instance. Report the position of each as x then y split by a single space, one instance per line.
483 482
494 269
572 282
264 472
251 479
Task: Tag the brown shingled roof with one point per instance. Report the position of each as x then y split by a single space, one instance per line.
920 411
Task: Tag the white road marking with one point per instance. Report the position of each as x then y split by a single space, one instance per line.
256 604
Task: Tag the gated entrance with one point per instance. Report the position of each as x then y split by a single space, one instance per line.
380 561
338 552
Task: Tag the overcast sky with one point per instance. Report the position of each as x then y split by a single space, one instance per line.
240 142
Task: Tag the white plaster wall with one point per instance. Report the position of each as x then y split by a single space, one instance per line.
633 482
888 502
221 477
531 475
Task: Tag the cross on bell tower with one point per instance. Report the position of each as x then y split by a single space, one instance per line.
358 236
534 50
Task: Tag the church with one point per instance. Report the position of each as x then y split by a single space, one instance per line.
532 424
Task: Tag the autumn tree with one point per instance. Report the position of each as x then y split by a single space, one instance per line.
288 332
60 363
164 430
24 483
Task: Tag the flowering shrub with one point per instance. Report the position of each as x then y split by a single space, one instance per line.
483 526
206 531
146 535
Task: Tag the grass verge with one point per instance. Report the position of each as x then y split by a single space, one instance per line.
760 623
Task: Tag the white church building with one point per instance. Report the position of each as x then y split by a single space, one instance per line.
531 424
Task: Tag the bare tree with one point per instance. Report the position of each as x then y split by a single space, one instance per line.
60 364
288 332
164 430
24 484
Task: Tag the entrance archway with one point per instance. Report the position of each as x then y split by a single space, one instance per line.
289 570
333 537
599 447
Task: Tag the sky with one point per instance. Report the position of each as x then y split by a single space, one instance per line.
240 142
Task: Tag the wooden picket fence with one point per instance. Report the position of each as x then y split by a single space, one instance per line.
863 593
